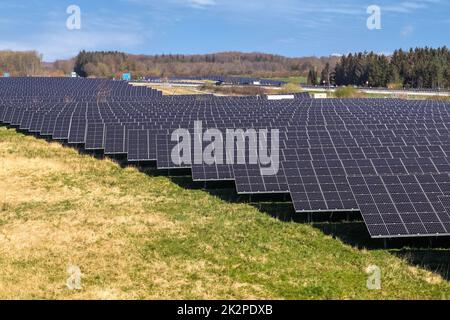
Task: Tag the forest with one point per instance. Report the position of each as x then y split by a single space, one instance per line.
112 64
414 68
26 63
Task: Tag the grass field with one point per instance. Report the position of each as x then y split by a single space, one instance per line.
296 80
172 90
139 236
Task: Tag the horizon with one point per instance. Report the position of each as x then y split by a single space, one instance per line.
289 28
199 54
387 54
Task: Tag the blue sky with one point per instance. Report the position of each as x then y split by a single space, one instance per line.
287 27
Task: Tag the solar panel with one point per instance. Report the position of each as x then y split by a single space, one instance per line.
387 158
314 188
77 131
62 127
114 141
8 115
48 124
36 123
250 181
164 147
3 109
138 146
95 135
405 205
220 172
17 116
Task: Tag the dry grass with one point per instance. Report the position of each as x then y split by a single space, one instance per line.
136 236
172 90
347 92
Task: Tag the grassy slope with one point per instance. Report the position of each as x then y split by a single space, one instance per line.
139 236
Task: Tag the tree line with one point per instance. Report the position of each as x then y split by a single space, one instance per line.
416 68
112 64
26 63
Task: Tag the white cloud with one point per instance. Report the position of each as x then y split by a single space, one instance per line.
201 3
130 30
407 31
287 40
198 4
98 32
409 6
67 44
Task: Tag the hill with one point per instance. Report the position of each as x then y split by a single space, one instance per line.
137 235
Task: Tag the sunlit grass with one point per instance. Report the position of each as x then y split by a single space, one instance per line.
136 236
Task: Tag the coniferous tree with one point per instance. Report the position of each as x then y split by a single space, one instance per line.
312 77
417 68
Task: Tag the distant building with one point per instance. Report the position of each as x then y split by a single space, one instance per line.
281 97
320 95
126 76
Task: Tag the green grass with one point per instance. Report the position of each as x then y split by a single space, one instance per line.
296 80
347 92
139 236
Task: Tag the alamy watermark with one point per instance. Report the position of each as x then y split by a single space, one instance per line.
374 277
74 280
229 150
73 22
374 20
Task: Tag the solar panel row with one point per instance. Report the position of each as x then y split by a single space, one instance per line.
387 158
226 80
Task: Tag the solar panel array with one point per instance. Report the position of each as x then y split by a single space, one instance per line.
238 81
387 158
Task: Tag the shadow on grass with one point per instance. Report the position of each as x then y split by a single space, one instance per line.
432 254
